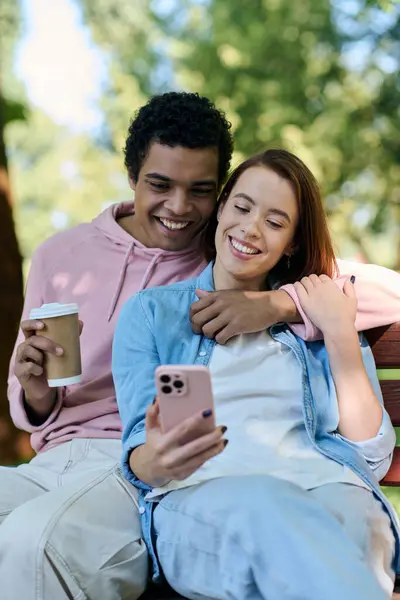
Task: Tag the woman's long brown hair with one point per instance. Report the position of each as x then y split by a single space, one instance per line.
313 249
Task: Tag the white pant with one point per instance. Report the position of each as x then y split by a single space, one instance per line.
70 528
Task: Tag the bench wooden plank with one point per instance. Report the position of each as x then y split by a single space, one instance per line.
385 343
391 395
392 478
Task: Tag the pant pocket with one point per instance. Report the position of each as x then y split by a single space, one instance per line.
128 487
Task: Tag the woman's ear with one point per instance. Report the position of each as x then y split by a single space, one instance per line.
291 249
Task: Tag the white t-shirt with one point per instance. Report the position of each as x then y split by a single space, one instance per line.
257 387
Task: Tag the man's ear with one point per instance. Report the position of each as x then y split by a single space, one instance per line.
220 209
132 182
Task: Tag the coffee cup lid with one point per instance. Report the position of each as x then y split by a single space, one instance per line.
53 309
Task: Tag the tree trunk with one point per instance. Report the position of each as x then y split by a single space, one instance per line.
397 217
11 299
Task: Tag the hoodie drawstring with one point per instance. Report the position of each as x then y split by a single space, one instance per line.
121 280
148 273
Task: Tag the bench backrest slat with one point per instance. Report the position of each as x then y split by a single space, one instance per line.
385 343
391 395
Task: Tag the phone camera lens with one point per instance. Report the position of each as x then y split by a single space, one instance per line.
178 384
166 389
165 378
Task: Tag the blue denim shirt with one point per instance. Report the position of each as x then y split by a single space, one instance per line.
154 329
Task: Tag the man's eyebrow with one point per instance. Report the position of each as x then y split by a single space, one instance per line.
158 176
274 211
200 182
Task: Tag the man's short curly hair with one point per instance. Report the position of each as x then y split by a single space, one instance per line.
178 119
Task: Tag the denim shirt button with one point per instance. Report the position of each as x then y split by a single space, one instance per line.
142 510
202 353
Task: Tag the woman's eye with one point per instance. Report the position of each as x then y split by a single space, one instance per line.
241 209
275 225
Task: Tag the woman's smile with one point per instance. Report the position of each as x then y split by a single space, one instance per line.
241 249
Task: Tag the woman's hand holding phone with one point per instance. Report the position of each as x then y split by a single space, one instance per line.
177 453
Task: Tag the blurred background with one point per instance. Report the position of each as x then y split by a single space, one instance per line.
319 77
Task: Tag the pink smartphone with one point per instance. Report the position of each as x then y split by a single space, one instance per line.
183 391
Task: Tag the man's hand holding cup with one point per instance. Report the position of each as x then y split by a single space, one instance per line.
50 355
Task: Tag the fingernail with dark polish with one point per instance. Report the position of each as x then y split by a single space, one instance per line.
154 401
223 429
352 278
207 413
225 443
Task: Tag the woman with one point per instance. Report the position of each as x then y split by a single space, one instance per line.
290 508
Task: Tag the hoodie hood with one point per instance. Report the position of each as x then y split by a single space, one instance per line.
107 224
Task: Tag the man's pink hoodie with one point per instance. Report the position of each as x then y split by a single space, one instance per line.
99 266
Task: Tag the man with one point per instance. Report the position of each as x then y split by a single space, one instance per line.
69 524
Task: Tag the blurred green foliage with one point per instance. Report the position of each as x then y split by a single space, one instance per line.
319 77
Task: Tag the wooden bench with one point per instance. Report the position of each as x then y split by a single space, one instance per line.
385 343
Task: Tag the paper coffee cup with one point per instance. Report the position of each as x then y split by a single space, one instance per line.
61 325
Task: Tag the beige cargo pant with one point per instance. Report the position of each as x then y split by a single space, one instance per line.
70 528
